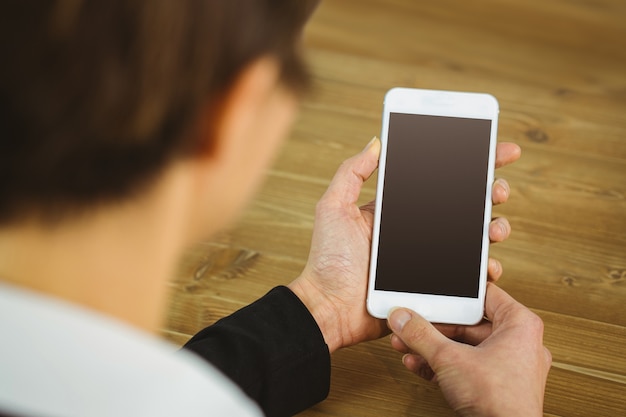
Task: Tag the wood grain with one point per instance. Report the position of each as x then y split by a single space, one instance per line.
558 69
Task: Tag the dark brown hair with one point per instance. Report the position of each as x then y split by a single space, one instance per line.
96 97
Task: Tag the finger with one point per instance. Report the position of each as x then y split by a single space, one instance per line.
369 207
499 229
500 191
418 365
473 335
507 153
417 334
367 211
494 270
498 303
399 345
470 335
346 185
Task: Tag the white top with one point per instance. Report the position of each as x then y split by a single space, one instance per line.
58 359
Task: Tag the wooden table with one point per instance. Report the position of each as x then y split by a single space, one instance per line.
558 69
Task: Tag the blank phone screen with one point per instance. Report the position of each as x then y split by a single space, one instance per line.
433 206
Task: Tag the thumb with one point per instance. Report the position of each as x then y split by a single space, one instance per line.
347 182
417 333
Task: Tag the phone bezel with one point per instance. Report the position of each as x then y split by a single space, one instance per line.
435 308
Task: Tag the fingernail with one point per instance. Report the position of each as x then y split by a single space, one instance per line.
505 227
398 318
504 185
371 142
502 228
404 357
495 265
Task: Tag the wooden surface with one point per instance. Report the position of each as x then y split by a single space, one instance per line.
558 69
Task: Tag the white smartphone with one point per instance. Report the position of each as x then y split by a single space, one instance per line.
433 205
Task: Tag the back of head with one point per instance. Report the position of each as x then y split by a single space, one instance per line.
96 97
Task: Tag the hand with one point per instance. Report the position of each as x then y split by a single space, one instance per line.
333 284
496 368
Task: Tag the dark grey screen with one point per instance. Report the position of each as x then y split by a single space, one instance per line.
433 205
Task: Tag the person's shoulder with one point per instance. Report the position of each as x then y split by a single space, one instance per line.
75 362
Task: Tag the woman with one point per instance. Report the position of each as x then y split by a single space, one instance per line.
132 129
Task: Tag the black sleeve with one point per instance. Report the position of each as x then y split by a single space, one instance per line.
273 349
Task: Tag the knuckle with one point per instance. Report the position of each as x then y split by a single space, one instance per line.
535 323
320 205
346 165
548 356
324 204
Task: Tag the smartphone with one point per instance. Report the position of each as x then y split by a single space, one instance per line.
433 205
